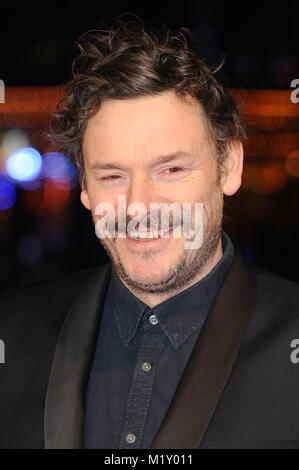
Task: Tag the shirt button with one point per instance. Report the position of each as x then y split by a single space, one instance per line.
130 438
146 366
153 319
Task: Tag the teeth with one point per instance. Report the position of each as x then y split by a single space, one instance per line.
147 235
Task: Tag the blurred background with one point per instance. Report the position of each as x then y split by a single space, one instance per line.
44 229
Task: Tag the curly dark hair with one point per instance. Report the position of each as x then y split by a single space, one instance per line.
132 58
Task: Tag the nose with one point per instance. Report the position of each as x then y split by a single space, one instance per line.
141 193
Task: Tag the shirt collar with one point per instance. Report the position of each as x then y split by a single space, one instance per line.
179 316
127 308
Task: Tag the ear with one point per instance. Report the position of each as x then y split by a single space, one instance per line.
85 198
231 177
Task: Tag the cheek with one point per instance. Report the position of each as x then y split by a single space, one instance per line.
96 196
191 193
94 201
103 204
196 187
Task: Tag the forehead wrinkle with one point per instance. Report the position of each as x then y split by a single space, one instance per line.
153 162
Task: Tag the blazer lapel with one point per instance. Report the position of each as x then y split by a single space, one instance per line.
211 362
64 405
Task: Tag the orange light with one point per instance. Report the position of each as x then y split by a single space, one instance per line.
273 178
292 163
255 145
264 179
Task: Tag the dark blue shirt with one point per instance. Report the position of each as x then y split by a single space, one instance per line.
140 356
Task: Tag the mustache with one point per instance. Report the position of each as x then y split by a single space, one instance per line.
155 220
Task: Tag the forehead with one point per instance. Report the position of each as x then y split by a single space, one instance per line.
145 126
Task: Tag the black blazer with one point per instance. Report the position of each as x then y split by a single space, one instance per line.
240 388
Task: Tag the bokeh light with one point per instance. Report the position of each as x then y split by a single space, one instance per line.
264 178
13 140
7 195
31 185
292 163
54 197
24 164
273 178
58 168
249 255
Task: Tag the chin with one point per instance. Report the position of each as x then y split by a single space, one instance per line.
147 276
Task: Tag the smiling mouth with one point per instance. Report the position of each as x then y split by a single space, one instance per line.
150 235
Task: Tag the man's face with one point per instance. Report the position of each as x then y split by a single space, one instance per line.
122 147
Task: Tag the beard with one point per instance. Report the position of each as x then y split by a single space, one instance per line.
190 263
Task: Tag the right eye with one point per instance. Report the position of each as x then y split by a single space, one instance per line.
110 177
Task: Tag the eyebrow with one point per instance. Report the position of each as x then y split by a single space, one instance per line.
156 161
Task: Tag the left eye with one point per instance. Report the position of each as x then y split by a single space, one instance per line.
174 169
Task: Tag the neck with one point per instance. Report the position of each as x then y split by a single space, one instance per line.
154 299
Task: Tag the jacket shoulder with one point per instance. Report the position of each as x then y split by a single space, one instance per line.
274 314
49 297
31 319
275 288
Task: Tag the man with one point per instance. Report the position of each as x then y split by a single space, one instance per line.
171 345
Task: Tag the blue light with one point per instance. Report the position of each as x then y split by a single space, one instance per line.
249 254
7 196
31 185
24 164
56 166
